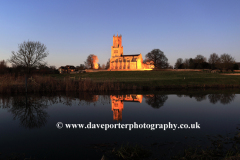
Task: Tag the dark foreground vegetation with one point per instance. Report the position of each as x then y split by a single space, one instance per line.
224 147
221 147
116 81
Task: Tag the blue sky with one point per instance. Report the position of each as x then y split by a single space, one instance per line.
72 30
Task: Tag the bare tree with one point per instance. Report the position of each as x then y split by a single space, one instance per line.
200 59
99 66
226 62
81 67
103 66
213 60
3 67
107 64
53 67
158 57
30 54
186 63
178 63
170 67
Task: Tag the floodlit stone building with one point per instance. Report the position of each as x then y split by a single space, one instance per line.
118 61
66 69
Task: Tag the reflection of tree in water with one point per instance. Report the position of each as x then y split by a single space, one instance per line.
223 98
227 98
156 101
87 98
83 99
30 111
5 101
214 98
179 95
104 99
200 97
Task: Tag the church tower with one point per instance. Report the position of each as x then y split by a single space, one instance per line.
117 48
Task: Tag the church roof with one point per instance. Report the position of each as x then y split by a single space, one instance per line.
131 55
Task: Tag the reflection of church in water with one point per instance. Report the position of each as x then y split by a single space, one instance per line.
117 103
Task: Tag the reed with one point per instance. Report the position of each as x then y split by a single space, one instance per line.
40 83
37 83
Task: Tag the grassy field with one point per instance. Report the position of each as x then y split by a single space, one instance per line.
117 81
160 78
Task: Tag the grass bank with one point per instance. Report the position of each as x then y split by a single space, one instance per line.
162 79
116 81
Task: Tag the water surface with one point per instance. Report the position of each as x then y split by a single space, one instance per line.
28 122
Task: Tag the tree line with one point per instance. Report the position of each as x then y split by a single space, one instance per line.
30 57
222 62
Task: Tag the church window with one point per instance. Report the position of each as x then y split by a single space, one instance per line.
134 60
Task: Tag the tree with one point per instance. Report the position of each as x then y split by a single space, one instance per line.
91 59
81 67
199 60
178 63
170 67
186 63
30 54
53 67
158 57
191 64
235 66
99 66
226 62
213 60
107 64
103 66
3 67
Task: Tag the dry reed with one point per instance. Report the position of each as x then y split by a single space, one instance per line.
37 83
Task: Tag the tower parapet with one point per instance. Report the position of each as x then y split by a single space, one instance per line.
117 48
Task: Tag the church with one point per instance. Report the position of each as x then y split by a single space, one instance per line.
118 61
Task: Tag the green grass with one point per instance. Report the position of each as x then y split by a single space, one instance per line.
117 81
159 78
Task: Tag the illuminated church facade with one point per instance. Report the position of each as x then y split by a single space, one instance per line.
118 61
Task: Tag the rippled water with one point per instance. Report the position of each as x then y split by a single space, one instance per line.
28 122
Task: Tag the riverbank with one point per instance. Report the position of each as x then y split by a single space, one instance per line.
116 81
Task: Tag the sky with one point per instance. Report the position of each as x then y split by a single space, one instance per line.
72 30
